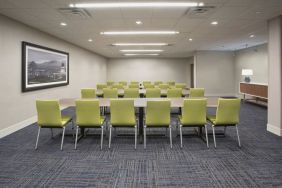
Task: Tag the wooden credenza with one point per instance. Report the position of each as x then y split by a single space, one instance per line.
254 89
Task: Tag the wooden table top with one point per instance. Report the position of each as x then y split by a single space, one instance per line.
139 102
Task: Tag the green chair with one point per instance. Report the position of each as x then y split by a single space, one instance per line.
124 83
171 83
163 86
100 87
153 93
156 83
134 82
131 93
193 115
122 115
197 92
88 116
117 86
146 86
180 85
157 115
146 82
133 86
49 116
110 83
87 93
227 114
110 93
174 93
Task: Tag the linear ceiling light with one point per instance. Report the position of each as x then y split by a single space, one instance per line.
136 4
141 50
141 54
140 44
139 33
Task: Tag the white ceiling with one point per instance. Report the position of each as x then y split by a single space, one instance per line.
237 20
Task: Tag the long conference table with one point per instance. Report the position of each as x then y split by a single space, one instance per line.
141 104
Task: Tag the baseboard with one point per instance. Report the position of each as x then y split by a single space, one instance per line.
220 95
273 129
13 128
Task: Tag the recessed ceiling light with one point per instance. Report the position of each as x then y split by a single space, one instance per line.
90 40
63 24
140 44
136 4
258 12
138 22
139 33
252 36
141 50
141 54
214 23
190 39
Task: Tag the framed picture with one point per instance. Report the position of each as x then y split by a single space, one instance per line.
43 67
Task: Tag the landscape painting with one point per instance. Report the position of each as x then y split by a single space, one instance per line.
43 67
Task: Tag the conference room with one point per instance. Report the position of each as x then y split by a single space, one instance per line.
119 93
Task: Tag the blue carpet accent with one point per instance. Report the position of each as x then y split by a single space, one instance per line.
257 164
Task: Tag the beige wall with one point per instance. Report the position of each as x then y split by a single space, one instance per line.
86 69
214 71
153 69
254 58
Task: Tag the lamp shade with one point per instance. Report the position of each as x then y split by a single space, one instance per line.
247 72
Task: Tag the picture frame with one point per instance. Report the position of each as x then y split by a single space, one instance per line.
43 67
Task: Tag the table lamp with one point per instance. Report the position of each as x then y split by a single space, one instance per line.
247 73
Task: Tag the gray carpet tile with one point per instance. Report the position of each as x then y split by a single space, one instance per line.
257 164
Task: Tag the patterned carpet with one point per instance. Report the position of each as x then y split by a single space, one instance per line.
257 164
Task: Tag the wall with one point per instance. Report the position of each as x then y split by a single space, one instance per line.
153 69
254 58
214 71
86 69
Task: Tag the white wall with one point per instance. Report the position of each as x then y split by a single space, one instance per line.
152 69
254 58
86 69
214 71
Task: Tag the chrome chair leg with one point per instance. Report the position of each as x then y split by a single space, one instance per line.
238 135
37 137
144 136
214 136
102 135
76 137
52 135
180 132
135 127
63 135
110 136
170 136
224 130
207 138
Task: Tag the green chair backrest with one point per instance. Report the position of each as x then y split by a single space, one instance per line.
158 83
146 82
101 86
122 112
146 86
87 93
48 112
196 92
118 86
134 82
158 113
171 83
87 112
110 83
163 86
124 83
180 85
131 93
174 93
194 112
228 111
110 93
153 93
133 86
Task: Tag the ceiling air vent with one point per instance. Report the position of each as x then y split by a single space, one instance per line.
200 10
75 13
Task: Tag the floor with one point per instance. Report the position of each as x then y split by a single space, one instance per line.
257 164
